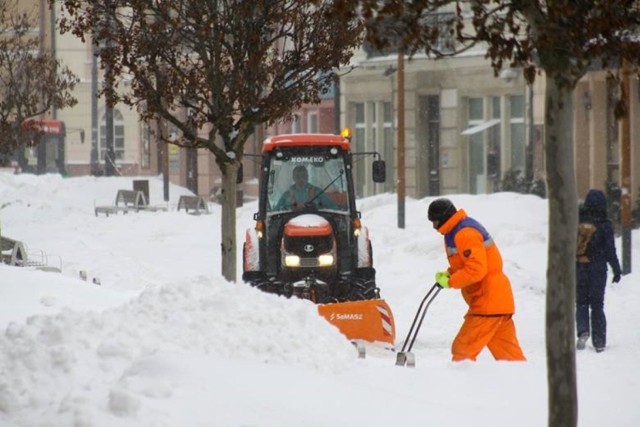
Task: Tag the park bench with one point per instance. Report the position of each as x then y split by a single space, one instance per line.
128 200
196 204
13 252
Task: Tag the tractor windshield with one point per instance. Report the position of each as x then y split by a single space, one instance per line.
313 180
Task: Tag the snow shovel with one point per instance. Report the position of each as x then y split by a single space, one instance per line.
405 357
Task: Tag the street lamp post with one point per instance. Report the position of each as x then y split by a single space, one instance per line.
94 155
625 172
401 175
109 152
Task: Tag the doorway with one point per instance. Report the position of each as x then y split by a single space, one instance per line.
430 151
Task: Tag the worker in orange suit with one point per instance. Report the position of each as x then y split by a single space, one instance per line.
475 267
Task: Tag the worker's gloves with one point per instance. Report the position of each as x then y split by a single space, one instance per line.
616 278
442 279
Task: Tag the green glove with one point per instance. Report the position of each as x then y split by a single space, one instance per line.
442 279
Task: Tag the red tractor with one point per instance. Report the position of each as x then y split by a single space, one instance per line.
308 240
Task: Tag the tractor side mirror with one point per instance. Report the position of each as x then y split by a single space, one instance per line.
379 171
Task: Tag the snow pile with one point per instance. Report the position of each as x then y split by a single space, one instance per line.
165 341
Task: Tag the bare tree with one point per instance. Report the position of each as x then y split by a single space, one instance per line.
563 39
216 69
31 80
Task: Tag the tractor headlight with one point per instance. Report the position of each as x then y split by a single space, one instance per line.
325 260
292 261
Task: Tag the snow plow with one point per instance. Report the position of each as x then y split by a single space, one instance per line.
308 240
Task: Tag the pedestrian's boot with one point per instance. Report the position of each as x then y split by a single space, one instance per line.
582 341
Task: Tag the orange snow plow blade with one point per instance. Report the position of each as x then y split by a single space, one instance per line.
368 320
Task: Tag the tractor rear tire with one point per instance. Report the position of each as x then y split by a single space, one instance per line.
363 286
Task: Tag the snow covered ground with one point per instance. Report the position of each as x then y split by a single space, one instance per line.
165 341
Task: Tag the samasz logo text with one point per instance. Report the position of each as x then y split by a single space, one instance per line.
347 316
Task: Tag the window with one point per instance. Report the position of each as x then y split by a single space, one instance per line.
433 144
325 173
441 21
118 136
359 137
296 124
360 124
174 151
493 149
476 109
145 160
312 122
517 133
495 107
475 130
374 124
373 131
387 143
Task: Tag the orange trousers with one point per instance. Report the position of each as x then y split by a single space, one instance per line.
498 333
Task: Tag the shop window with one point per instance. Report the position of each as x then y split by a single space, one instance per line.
312 122
517 134
296 124
118 136
388 139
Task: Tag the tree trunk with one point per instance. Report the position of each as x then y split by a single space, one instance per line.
561 268
228 222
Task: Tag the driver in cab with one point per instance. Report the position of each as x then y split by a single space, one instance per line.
301 193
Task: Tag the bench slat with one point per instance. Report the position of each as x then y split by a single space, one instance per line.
128 200
196 204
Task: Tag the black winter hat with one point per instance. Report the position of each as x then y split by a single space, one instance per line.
441 210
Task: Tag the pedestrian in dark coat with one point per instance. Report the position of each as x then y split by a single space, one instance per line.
591 272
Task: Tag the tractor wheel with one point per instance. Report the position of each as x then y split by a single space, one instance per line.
363 286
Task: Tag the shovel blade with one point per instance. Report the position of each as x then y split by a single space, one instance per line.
406 358
411 360
362 350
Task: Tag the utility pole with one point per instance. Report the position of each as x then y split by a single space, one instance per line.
625 171
401 176
109 153
94 156
162 140
336 105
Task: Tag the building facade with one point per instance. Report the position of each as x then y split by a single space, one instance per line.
466 129
598 133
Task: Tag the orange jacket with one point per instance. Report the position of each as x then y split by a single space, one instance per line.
475 265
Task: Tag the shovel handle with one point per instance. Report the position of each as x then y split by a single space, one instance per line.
411 335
